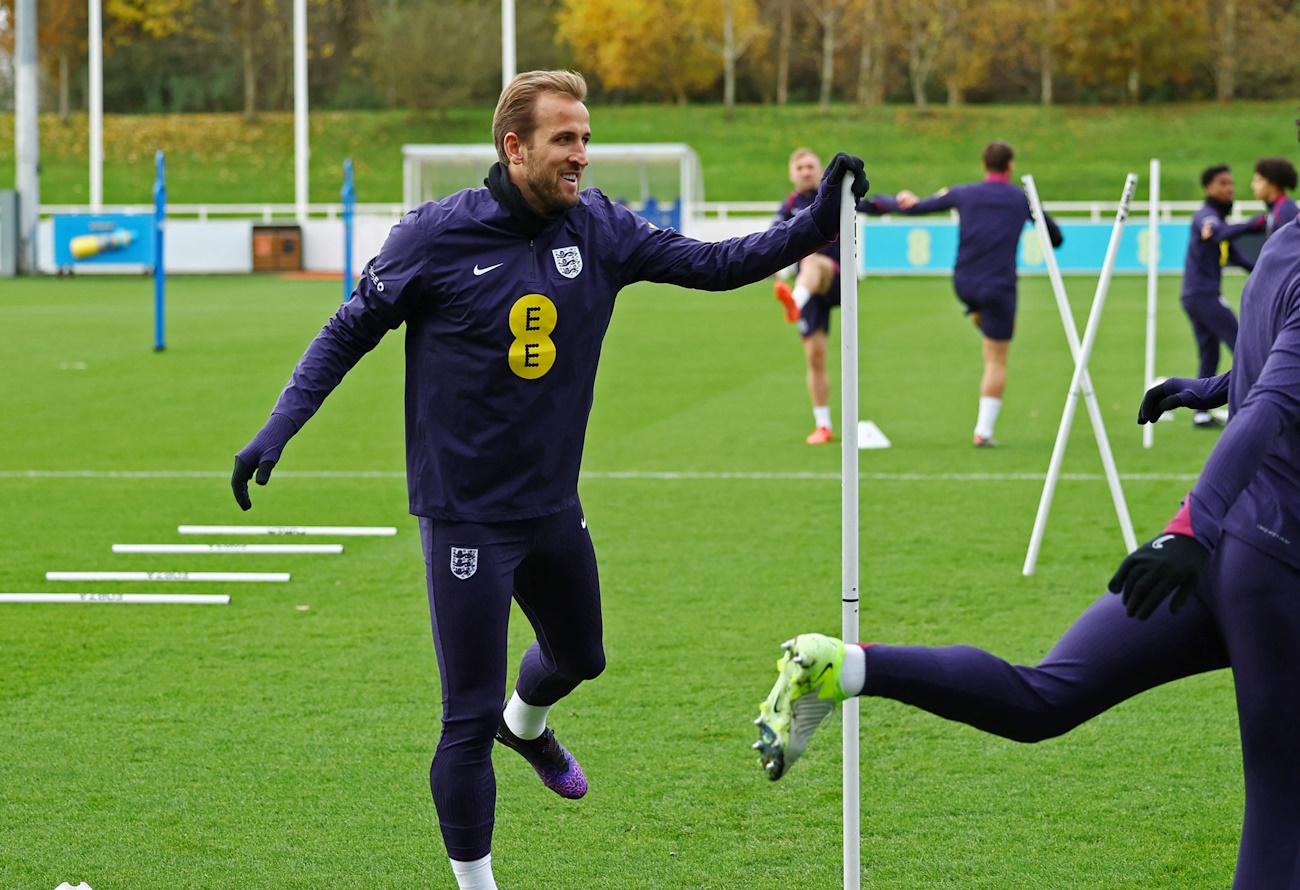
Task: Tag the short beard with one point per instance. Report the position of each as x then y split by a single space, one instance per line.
547 191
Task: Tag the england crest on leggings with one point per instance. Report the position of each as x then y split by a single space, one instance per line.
464 561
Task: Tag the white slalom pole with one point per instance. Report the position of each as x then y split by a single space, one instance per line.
166 599
1076 381
301 139
95 103
168 576
849 518
342 531
1153 271
229 548
1088 393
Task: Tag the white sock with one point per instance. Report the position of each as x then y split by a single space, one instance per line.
801 295
822 416
853 673
525 720
988 416
476 875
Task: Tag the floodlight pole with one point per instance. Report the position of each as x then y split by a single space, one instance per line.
1153 271
27 133
1077 382
301 150
96 102
849 519
508 63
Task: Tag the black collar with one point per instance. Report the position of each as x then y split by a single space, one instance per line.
1223 207
508 194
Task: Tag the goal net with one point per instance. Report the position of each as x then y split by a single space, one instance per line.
661 181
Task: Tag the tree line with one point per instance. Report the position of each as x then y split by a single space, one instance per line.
236 55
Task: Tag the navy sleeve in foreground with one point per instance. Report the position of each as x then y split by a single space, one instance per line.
665 256
376 307
1270 409
1200 393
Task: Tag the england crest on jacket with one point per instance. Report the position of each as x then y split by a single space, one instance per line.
464 562
568 261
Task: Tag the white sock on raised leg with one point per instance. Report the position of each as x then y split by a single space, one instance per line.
853 673
476 875
801 295
524 720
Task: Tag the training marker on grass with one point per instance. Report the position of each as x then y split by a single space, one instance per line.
357 531
227 548
166 599
166 576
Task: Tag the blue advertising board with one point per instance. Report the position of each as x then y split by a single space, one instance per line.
907 248
104 239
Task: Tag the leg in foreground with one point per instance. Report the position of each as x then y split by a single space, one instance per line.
1104 658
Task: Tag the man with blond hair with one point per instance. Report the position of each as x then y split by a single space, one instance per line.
506 293
816 289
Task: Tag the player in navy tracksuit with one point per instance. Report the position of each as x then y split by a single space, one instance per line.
1273 178
816 289
1231 560
1208 249
993 216
506 293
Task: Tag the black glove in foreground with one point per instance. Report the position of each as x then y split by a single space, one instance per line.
825 208
262 454
1155 403
1167 564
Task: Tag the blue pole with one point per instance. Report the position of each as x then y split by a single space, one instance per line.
349 196
159 273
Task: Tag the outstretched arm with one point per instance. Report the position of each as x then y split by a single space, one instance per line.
1201 394
645 253
377 306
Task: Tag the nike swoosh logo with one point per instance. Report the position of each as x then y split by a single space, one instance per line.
1159 543
478 271
584 522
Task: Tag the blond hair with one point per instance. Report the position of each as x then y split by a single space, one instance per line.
800 152
515 108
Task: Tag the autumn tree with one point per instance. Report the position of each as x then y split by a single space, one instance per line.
739 29
829 14
873 21
643 44
1124 43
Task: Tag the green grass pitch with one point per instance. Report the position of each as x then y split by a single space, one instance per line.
263 745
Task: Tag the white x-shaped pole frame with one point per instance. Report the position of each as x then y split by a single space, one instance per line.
1081 382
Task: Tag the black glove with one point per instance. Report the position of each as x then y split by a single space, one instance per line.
825 208
1155 402
1167 564
262 454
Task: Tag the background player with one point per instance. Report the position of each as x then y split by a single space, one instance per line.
506 293
1208 250
816 289
1230 558
1273 179
993 216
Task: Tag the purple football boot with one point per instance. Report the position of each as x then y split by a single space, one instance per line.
556 766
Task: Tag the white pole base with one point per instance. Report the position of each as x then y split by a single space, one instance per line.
338 530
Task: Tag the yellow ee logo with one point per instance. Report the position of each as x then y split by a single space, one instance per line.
532 321
918 247
1147 250
1031 249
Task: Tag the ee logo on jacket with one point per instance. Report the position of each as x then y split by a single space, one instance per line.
532 320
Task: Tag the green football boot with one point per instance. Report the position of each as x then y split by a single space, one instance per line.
804 695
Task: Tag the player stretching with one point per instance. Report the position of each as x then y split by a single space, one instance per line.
506 293
1230 557
1208 250
993 216
816 289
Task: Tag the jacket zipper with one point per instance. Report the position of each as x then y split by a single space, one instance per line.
532 260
